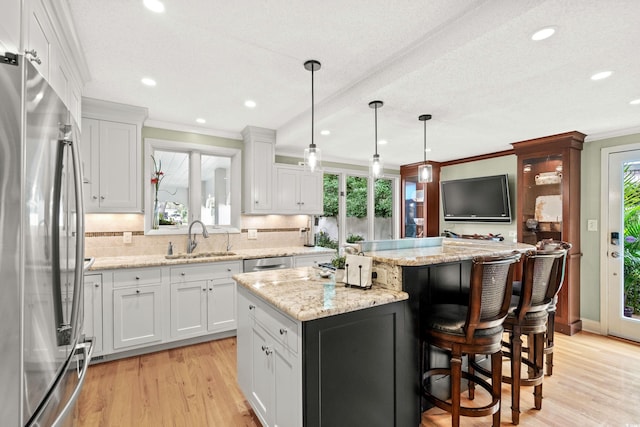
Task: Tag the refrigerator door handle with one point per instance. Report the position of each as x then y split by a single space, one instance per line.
86 348
78 285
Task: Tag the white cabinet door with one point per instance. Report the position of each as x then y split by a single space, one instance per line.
297 191
287 392
10 27
119 164
110 156
311 192
244 335
262 380
258 160
221 310
288 190
137 317
189 308
93 310
39 37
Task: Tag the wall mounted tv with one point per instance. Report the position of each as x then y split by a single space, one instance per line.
482 199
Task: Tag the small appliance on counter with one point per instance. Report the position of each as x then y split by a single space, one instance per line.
310 232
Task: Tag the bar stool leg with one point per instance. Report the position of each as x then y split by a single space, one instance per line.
496 383
551 323
456 374
538 360
516 366
472 385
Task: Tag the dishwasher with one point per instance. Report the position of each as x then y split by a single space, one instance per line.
267 264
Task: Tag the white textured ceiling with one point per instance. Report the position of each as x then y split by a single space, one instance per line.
469 63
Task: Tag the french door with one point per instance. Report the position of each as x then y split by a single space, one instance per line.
621 293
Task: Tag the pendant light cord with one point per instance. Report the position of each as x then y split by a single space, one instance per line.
376 126
312 104
425 141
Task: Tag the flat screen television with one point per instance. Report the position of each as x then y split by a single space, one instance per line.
482 199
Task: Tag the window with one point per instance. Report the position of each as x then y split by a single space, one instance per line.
356 208
185 182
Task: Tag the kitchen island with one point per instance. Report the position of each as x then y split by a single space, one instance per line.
314 353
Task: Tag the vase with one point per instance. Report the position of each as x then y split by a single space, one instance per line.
155 219
340 275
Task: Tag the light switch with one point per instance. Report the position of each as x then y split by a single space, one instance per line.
592 225
126 237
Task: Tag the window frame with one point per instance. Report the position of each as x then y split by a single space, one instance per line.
195 151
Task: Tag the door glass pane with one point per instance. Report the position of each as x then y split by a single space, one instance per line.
215 198
170 189
356 209
383 202
631 210
410 207
328 226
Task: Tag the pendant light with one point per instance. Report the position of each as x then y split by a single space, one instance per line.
425 171
376 166
312 155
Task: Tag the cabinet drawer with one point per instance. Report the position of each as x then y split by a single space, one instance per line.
136 276
282 329
188 273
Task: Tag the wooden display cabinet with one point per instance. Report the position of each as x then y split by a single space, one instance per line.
420 202
548 207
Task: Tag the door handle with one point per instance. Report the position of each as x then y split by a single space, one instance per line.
615 254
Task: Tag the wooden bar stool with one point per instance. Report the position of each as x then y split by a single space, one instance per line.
557 278
529 318
474 328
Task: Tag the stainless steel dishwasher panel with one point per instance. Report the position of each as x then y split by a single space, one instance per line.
266 264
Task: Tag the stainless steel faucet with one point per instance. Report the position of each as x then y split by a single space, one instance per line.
191 240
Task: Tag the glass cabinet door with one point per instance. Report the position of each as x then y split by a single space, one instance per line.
413 220
542 201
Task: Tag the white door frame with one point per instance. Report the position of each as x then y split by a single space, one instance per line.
604 231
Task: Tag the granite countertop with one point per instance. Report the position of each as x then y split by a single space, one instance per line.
451 250
303 295
135 261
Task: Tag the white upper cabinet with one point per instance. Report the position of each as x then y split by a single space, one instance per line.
258 160
111 153
298 191
43 31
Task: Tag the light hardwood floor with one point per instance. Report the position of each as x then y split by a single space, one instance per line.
596 382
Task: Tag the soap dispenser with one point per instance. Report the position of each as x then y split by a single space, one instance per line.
170 249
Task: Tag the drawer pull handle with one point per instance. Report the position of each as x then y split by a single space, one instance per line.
283 331
204 289
137 291
251 306
97 285
137 278
183 273
211 289
266 350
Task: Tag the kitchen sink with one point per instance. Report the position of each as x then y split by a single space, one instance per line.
199 255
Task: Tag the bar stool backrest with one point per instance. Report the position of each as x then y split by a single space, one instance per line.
490 292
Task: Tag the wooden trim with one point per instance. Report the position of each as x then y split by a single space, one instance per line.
479 157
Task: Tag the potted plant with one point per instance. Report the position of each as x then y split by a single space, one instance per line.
338 262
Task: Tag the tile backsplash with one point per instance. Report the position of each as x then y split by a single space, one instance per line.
104 235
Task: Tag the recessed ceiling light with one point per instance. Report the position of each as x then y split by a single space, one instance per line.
601 75
325 132
154 5
635 102
250 103
543 33
148 81
201 121
382 142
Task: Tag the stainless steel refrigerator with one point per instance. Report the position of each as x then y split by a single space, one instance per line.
44 357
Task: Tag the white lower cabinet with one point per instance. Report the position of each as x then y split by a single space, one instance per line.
92 326
269 362
137 316
203 299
